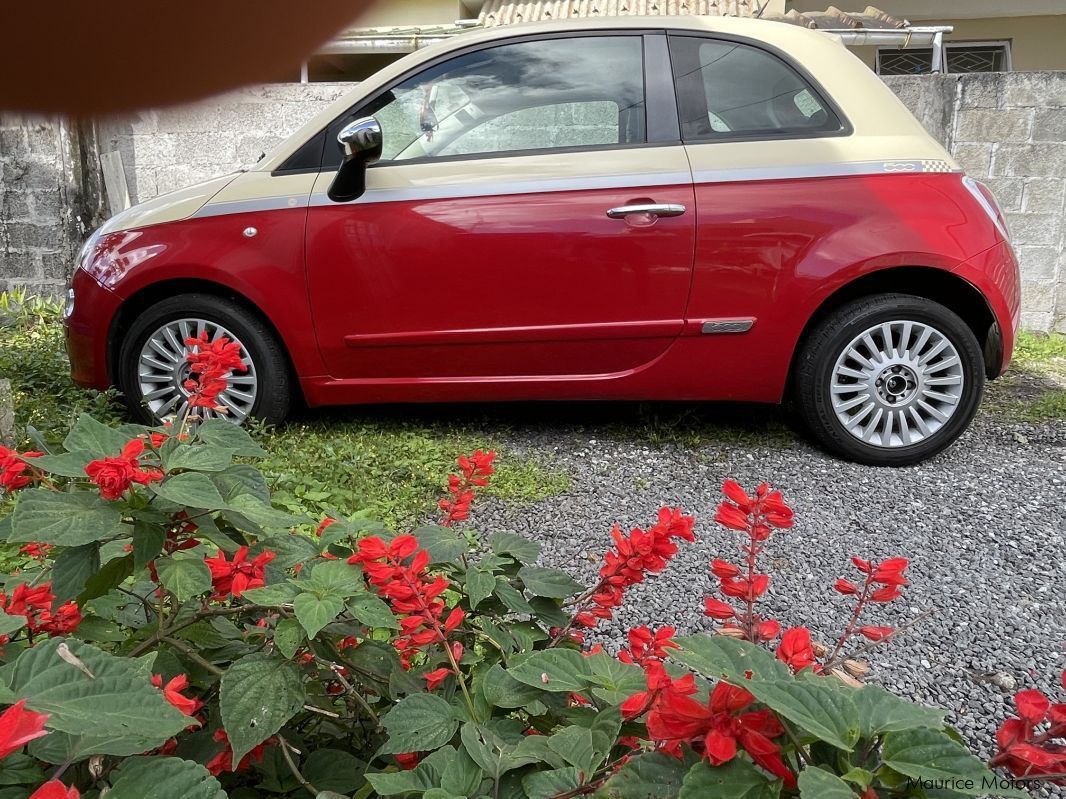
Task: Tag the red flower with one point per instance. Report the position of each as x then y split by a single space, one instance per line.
36 550
436 677
172 693
323 525
795 649
646 646
875 633
54 789
476 470
19 726
659 684
237 576
634 556
114 476
35 605
719 728
723 570
717 609
844 587
211 364
13 468
410 592
223 761
407 760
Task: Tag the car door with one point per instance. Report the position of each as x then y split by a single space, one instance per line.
531 216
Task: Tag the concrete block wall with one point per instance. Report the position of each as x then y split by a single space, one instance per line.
1008 130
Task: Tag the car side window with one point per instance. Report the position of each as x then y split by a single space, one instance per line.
728 90
536 95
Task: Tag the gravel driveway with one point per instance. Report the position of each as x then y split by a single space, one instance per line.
984 525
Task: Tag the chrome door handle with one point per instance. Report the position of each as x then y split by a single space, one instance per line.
667 209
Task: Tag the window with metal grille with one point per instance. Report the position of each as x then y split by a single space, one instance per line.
961 57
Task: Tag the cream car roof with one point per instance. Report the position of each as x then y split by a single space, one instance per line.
869 105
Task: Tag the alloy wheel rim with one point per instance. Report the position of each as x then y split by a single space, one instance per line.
162 370
896 384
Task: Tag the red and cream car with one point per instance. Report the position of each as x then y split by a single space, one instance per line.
645 208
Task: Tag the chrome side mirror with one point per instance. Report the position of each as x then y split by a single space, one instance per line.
361 141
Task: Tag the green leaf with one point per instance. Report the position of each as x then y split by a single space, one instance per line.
272 595
288 637
820 709
66 464
924 754
442 543
817 783
99 440
184 577
241 478
223 433
421 778
334 770
9 623
418 723
616 681
574 745
496 754
315 612
335 577
648 776
259 694
479 585
20 769
546 784
551 583
148 540
881 712
112 575
198 458
372 611
737 779
68 520
858 776
511 597
522 549
118 701
717 656
164 777
192 489
262 513
503 690
462 775
554 670
72 569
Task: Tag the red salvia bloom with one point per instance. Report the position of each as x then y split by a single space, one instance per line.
1025 749
407 760
54 789
646 646
212 362
19 726
882 584
172 693
239 575
14 468
223 761
114 476
411 593
719 729
35 605
635 555
475 472
36 550
795 649
436 677
755 516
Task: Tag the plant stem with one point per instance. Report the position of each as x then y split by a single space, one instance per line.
194 656
286 749
834 661
795 741
850 629
351 689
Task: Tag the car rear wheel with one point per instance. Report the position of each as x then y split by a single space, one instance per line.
889 380
152 365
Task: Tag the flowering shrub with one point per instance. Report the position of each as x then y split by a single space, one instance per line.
178 636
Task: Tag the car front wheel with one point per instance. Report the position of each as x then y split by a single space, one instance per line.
889 380
153 367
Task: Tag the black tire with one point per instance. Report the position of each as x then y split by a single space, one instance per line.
274 382
817 359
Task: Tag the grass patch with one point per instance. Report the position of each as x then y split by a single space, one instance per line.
379 463
1034 389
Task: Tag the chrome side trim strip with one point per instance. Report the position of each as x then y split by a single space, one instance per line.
726 326
455 191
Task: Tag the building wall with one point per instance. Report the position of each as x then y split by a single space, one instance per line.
1006 129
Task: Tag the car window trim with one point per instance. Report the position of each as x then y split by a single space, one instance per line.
641 34
815 86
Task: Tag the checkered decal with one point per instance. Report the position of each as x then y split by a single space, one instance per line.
936 166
